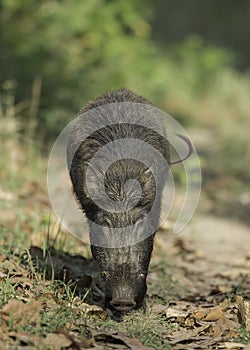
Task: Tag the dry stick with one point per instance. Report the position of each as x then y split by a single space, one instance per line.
34 104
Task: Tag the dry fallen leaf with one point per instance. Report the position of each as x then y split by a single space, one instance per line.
174 312
232 346
21 314
77 340
199 315
56 341
215 314
244 310
118 340
225 328
26 339
185 335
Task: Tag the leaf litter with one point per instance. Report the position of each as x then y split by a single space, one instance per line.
204 310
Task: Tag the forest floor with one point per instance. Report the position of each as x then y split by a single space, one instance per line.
211 261
198 284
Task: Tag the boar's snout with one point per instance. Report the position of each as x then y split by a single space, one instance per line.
123 304
122 298
124 273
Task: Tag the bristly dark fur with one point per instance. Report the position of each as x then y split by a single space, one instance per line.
119 95
125 268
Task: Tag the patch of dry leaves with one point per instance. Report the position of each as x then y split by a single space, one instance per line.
205 314
21 315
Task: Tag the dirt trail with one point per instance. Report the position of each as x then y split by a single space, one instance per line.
210 267
210 264
223 241
213 253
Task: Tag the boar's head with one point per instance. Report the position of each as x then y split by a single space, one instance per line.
124 271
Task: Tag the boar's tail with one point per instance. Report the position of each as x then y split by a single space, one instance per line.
190 149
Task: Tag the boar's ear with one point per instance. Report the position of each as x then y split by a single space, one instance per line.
190 149
149 169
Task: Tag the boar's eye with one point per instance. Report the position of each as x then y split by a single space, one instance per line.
142 276
104 274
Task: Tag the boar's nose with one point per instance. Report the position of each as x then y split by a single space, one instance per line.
123 305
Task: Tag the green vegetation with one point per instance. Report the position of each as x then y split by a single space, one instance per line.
149 329
244 336
53 306
79 49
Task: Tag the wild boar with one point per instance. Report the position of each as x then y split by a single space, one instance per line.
112 158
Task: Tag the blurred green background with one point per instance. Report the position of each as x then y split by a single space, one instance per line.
190 58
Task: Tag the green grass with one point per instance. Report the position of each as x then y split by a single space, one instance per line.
151 330
61 309
25 279
244 336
